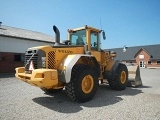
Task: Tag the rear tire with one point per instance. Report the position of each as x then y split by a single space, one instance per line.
119 79
83 84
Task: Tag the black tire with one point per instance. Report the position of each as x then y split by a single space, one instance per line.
51 91
119 79
83 84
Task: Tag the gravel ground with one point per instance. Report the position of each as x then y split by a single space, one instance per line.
21 101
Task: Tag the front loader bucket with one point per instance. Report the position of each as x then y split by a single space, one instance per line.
134 78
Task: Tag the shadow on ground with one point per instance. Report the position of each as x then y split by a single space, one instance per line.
7 75
105 96
144 86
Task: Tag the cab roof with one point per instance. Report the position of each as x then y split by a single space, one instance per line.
86 27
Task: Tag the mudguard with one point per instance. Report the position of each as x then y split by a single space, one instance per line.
108 74
68 63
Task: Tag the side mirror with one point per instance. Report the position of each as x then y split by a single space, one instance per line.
104 35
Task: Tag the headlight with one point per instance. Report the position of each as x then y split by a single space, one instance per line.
43 61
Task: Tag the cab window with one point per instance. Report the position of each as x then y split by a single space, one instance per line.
78 37
94 40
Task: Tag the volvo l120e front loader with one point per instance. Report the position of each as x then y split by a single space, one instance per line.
77 65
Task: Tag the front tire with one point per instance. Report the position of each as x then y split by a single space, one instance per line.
83 84
119 79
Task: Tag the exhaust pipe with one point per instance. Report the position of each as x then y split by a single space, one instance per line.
57 36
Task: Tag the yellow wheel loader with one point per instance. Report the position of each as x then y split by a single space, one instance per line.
78 65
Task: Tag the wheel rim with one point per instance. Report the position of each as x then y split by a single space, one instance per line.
87 84
123 77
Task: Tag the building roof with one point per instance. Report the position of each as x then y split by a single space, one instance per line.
24 34
130 54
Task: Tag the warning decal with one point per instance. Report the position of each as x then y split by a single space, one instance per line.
31 66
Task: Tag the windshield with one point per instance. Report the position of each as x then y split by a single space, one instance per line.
78 37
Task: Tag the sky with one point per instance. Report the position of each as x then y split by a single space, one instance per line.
125 22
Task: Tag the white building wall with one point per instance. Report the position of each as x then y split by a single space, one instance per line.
17 45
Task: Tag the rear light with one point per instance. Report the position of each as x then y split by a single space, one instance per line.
43 62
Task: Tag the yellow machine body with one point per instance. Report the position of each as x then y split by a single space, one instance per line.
56 56
48 77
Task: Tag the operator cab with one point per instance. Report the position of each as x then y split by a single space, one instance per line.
78 37
85 36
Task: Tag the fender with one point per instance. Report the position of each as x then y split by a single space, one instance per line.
107 74
67 65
